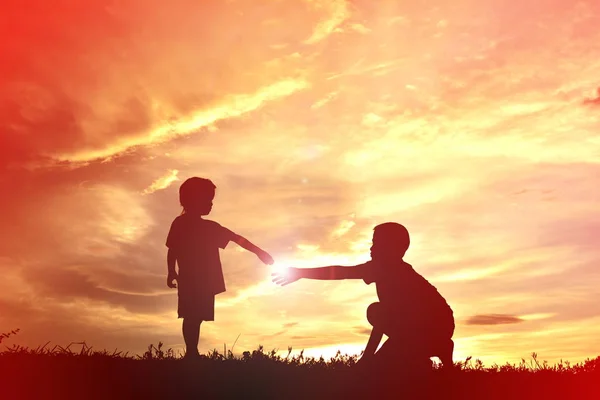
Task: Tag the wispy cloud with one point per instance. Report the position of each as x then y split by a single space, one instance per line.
594 100
163 182
231 107
337 11
493 319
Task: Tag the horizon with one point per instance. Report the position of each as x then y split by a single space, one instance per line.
474 124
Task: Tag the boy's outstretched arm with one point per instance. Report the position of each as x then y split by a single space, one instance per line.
246 244
334 272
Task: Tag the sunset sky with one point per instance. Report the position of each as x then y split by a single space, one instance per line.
475 123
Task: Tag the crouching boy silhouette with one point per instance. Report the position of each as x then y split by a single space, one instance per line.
194 244
411 312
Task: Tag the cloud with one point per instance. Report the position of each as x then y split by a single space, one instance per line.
273 335
163 182
338 12
595 100
111 80
493 319
361 330
137 293
234 106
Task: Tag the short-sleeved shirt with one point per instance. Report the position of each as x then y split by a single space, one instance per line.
406 293
196 242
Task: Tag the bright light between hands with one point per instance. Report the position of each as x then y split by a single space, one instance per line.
281 268
314 260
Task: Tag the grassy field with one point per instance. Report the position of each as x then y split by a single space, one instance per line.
79 372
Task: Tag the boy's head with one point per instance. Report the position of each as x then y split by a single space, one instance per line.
390 241
196 195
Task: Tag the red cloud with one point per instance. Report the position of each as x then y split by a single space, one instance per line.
593 100
493 319
86 80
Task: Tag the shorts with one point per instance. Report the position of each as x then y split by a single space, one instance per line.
195 305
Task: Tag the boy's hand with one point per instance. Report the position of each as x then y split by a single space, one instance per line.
170 278
265 257
286 277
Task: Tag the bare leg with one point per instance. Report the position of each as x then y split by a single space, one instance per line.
191 335
445 354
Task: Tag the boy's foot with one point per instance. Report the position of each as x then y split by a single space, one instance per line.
191 356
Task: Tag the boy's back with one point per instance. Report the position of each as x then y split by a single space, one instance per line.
407 294
197 242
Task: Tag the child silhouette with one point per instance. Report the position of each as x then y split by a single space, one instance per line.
411 312
194 244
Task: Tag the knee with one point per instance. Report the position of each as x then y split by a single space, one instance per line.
192 321
375 314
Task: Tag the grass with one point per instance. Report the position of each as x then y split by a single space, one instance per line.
79 371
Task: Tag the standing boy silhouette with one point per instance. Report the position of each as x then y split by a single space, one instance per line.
411 312
194 244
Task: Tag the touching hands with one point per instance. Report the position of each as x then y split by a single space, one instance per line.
170 278
287 276
265 257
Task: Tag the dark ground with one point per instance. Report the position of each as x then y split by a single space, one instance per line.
66 375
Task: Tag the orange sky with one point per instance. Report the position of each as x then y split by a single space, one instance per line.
474 123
